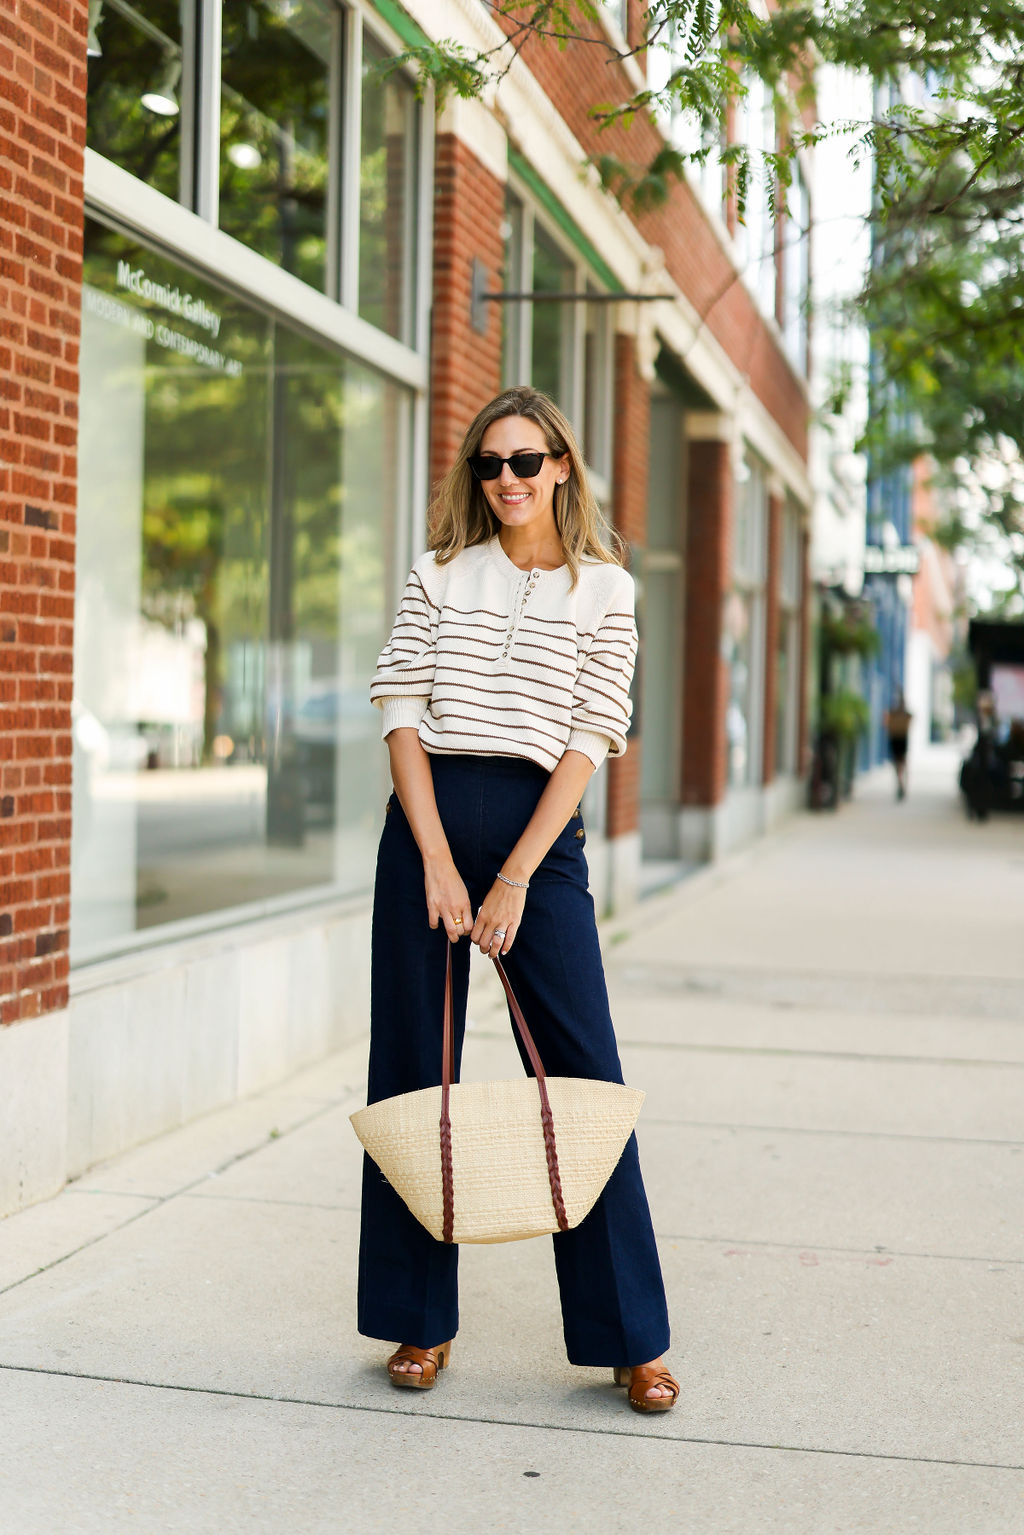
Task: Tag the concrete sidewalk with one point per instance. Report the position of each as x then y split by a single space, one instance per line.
831 1033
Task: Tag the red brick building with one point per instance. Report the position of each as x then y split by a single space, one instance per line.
245 315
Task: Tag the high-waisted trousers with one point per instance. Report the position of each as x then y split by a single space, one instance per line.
609 1277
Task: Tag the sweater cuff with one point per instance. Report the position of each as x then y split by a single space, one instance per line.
398 712
591 743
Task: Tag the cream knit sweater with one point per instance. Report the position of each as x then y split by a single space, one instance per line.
489 659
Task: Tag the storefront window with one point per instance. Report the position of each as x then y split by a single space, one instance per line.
662 603
743 627
565 348
551 340
387 211
135 69
293 185
274 131
597 380
512 312
233 590
787 653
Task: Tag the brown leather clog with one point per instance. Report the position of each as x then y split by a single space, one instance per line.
640 1378
430 1361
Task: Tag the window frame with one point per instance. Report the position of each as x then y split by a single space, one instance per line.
568 315
748 581
789 596
414 294
327 892
519 316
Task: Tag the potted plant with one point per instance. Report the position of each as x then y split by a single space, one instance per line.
845 716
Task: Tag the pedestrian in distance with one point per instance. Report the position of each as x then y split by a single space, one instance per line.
980 773
504 685
897 726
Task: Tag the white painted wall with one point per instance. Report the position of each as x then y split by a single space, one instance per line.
920 661
155 1039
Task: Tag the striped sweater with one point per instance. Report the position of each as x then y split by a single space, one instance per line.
489 659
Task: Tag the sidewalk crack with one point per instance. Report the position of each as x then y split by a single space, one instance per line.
624 1431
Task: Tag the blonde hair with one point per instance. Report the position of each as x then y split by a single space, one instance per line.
460 516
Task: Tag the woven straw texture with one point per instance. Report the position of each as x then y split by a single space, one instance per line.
500 1175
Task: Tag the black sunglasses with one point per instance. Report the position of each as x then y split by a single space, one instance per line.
487 466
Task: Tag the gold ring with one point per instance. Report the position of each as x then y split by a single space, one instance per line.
457 921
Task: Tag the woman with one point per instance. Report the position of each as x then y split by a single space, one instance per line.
504 685
897 727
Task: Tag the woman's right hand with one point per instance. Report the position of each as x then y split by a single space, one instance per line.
447 898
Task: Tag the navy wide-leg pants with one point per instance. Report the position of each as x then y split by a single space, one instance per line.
609 1277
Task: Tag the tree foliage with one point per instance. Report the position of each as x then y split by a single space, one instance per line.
944 296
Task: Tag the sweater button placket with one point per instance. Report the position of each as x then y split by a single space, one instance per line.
510 636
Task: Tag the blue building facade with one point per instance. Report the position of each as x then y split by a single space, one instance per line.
889 523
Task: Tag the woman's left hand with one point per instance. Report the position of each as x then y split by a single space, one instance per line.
498 919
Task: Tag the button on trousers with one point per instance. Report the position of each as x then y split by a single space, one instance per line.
609 1277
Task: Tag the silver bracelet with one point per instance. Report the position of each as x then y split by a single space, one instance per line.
517 884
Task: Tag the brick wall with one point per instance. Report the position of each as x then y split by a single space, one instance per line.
629 499
465 369
42 136
706 688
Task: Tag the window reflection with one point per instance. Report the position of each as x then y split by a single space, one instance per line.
274 131
512 312
134 103
552 351
787 657
739 613
233 590
387 204
785 661
743 627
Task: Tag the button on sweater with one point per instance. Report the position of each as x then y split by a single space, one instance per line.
490 659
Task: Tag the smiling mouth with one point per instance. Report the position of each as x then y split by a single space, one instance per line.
514 496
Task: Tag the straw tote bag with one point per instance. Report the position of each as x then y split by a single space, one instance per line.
499 1161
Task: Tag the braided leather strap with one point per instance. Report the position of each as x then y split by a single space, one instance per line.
546 1117
447 1061
551 1153
445 1127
